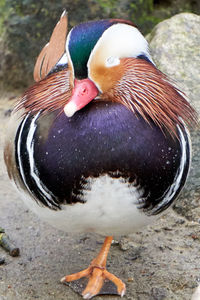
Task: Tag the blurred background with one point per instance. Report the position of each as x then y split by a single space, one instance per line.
26 25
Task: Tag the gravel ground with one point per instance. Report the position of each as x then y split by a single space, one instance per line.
160 262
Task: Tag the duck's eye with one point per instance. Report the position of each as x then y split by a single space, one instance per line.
112 61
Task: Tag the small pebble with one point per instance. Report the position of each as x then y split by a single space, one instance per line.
2 260
7 112
159 293
180 221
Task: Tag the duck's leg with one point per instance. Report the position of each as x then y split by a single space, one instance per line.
97 274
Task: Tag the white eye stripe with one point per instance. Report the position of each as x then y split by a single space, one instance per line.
118 41
112 61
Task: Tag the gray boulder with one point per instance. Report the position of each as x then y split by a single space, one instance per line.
175 47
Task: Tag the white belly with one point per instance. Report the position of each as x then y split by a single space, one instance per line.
110 209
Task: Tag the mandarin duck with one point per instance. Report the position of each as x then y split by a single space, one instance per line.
99 142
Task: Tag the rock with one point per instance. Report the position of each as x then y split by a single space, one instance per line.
175 48
175 45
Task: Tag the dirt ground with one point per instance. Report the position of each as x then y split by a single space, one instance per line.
160 262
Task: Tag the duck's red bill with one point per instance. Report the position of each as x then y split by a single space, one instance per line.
84 91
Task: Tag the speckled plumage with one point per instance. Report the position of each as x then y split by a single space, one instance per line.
103 138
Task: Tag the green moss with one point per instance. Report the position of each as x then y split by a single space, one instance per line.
3 16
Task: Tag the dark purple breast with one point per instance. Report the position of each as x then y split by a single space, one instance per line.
103 138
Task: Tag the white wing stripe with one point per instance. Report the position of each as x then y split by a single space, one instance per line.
177 180
33 170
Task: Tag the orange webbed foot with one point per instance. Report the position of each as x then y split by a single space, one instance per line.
97 274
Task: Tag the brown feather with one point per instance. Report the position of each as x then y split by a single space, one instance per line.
140 86
148 92
47 95
9 149
53 51
8 159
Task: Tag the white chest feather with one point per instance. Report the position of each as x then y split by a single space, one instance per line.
110 208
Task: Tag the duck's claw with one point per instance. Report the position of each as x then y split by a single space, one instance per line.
97 274
121 287
94 285
76 276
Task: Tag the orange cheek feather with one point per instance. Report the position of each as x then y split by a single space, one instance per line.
105 77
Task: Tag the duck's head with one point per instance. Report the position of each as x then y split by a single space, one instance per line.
103 60
96 51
